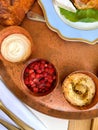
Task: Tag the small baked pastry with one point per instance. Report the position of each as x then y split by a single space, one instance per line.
79 89
85 4
16 44
12 12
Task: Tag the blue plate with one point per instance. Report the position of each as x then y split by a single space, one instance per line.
65 31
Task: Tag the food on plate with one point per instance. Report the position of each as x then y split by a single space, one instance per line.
85 4
40 77
16 44
12 12
65 4
79 10
79 89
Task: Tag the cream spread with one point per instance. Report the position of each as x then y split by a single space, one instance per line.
16 48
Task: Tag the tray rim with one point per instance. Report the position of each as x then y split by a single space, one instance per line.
59 113
81 114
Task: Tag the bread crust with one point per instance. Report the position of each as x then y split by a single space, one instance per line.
12 12
85 4
79 89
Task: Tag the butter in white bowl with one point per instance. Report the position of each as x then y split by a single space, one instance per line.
16 47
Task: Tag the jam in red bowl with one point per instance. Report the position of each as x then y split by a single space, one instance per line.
40 76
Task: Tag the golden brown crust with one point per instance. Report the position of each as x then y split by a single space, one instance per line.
12 12
85 4
79 89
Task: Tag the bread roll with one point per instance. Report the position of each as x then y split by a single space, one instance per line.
85 4
79 89
12 12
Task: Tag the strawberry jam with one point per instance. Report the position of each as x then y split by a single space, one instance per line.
40 77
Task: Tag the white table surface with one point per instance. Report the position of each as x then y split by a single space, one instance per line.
51 123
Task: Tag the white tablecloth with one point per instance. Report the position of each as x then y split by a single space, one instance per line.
34 118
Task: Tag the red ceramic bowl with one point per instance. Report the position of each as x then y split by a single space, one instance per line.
40 77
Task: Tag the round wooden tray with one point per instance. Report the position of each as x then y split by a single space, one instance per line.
67 56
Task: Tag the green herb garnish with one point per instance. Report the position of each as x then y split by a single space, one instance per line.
86 15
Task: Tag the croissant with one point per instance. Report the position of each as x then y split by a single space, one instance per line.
85 4
12 12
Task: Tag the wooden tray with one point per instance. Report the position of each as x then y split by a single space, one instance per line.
67 56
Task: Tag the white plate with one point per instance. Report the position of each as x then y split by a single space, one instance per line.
64 30
77 25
